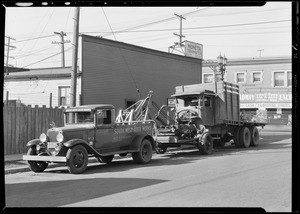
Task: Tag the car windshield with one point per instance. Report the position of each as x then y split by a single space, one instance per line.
79 117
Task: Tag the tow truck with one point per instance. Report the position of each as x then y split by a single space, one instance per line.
207 115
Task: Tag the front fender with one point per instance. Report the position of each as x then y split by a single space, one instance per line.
137 140
33 142
75 142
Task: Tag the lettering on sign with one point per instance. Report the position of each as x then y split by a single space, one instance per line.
193 49
266 97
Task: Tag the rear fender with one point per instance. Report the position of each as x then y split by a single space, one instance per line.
137 140
75 142
33 142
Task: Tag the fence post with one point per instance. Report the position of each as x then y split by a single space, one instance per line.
50 105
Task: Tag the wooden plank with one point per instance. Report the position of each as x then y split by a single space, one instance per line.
9 132
13 129
17 135
29 125
25 127
36 123
47 118
5 121
21 127
43 119
39 122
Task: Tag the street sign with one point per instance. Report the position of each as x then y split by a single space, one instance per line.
193 49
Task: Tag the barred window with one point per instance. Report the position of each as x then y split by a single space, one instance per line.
64 96
240 78
289 78
208 78
256 77
278 79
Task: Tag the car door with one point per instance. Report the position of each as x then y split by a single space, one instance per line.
207 111
105 131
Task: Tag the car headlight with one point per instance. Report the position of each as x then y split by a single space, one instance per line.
43 137
60 137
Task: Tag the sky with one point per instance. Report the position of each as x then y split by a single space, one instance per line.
236 32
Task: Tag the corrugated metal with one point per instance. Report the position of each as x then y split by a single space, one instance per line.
111 71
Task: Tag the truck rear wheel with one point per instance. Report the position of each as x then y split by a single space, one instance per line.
77 159
245 137
36 166
205 144
105 159
254 136
144 154
236 137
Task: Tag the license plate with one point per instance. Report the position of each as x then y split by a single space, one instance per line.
51 145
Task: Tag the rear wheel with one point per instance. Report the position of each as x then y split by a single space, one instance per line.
245 137
77 159
254 136
144 154
236 137
106 159
36 166
205 144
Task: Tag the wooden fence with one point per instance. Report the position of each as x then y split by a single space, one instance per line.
24 123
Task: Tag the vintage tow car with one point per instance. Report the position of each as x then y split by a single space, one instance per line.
91 131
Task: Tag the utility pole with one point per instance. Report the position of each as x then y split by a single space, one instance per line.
62 42
179 35
74 58
7 51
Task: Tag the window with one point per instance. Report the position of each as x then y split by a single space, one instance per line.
191 101
64 96
103 117
256 77
208 78
240 78
289 78
278 79
207 101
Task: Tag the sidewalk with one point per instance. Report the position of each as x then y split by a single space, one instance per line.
15 163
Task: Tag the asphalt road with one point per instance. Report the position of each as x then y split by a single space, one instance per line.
230 177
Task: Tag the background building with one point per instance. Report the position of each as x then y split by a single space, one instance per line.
265 84
121 74
45 86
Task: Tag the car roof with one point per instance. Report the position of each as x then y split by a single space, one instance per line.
207 92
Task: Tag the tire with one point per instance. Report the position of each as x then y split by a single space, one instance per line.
144 155
205 144
236 137
245 137
77 159
254 136
36 166
106 159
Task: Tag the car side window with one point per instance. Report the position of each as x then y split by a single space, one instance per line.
207 101
103 117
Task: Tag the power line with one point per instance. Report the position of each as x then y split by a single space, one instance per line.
41 37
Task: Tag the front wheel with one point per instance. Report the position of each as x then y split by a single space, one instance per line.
205 144
144 154
105 159
77 159
36 166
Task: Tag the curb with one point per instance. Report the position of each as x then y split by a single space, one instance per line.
25 168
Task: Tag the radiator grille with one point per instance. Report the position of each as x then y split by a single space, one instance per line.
52 135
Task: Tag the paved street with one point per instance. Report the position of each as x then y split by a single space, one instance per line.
230 177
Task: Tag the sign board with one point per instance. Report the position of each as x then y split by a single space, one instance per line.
266 97
171 102
193 49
